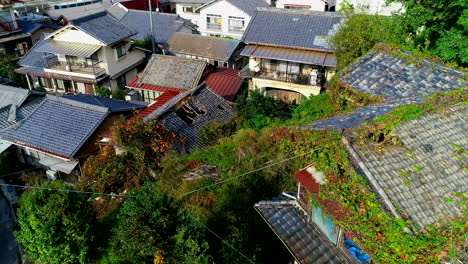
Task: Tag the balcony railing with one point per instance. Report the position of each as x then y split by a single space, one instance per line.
236 29
297 78
82 68
214 26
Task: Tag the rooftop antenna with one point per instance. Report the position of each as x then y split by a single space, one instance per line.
151 24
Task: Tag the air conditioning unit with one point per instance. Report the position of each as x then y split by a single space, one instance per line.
52 175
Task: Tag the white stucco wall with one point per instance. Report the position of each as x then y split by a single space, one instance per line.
193 17
372 6
112 64
318 5
224 9
69 35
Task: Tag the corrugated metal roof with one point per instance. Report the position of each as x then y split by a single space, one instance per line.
293 55
158 102
69 48
292 28
202 46
225 82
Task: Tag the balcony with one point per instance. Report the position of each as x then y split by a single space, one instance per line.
76 69
214 26
236 29
296 78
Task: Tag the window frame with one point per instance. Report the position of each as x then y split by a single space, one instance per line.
121 51
235 28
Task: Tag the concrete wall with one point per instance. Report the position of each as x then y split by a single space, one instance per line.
224 9
372 6
306 90
318 5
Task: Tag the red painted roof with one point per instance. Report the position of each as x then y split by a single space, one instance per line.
134 85
140 4
225 82
158 102
307 180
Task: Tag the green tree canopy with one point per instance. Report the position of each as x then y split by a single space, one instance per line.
361 32
153 227
55 227
438 27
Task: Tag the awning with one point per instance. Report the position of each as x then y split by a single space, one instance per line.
293 55
58 164
4 145
69 48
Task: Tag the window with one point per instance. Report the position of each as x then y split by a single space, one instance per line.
297 6
236 24
22 48
121 82
121 51
72 60
214 22
187 9
325 224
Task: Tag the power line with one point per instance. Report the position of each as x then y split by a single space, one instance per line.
243 174
65 190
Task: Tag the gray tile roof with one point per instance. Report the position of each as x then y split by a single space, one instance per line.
393 77
427 169
164 24
303 29
248 6
356 118
113 104
174 72
11 95
304 240
57 126
11 114
104 27
207 106
34 58
202 46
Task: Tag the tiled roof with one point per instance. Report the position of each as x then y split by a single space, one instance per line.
11 114
135 84
356 118
225 82
164 24
248 6
428 169
303 239
174 72
114 105
12 95
104 28
36 59
292 28
202 46
158 102
57 126
202 104
393 77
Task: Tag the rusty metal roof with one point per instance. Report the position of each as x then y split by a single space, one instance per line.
293 55
202 46
225 82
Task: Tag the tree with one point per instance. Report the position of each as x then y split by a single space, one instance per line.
143 145
153 227
438 27
361 32
103 91
55 227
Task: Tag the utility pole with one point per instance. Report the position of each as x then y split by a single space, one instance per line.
151 25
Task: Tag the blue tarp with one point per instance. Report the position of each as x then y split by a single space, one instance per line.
356 251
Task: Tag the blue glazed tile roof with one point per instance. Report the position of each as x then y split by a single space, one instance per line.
57 126
113 104
303 29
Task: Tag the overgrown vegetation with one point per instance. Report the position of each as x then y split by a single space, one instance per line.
7 70
103 91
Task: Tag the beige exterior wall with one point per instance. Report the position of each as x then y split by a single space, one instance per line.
318 5
306 90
